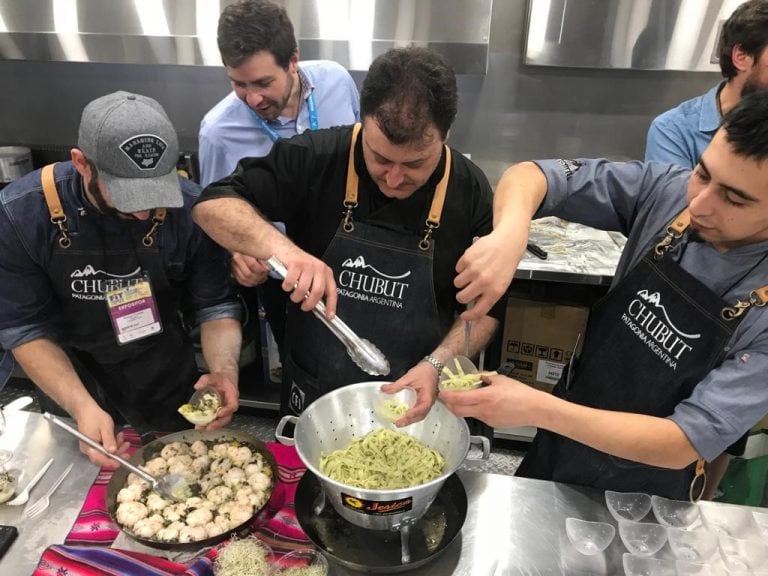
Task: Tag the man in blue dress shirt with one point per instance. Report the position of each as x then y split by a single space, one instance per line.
680 135
273 97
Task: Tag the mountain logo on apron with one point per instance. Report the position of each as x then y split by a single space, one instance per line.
90 283
364 282
649 320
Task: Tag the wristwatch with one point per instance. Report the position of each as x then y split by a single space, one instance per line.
435 363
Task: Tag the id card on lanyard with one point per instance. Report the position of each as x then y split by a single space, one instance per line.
274 136
133 311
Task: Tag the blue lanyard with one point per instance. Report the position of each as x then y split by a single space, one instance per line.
274 136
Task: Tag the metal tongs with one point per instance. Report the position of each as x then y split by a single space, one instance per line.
362 352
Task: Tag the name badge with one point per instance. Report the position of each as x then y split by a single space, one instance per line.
133 312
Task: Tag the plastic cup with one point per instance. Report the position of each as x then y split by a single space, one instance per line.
692 545
743 555
627 505
642 538
677 513
642 566
732 521
685 568
304 558
589 537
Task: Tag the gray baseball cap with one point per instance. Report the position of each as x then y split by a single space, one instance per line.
134 145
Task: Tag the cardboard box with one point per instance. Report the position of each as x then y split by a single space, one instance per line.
540 338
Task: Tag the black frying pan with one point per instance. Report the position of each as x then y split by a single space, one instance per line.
120 477
378 551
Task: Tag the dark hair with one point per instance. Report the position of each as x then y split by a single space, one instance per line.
406 90
746 126
250 26
747 27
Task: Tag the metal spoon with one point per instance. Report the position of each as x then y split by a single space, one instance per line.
172 486
362 352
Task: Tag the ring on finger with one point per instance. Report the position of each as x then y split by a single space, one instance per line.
295 285
307 294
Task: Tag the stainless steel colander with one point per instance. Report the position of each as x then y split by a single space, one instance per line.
335 419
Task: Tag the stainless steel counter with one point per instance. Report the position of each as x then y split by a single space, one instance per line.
516 526
33 442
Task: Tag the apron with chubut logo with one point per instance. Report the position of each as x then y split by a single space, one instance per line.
649 342
145 380
386 295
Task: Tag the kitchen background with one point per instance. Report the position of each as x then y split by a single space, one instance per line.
513 111
537 78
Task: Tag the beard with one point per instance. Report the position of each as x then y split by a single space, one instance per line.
752 85
102 205
276 107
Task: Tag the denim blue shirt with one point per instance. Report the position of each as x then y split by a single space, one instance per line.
229 130
639 200
679 136
197 268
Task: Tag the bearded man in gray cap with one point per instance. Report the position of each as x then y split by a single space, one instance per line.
100 261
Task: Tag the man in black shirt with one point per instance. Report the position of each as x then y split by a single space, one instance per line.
376 219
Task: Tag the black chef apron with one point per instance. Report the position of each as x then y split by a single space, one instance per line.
145 381
649 341
386 295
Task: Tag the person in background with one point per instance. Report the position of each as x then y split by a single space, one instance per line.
99 258
273 96
680 136
385 211
673 367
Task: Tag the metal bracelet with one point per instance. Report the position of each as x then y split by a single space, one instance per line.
435 363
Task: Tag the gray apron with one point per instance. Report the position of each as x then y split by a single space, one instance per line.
386 294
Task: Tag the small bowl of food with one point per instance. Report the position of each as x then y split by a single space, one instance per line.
392 407
8 483
202 408
627 505
589 537
305 562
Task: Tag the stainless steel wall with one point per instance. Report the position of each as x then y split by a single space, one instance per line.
512 113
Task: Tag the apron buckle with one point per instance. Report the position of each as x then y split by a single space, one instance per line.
149 239
742 306
424 243
349 224
60 222
666 243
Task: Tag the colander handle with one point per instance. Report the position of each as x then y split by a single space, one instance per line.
285 440
485 446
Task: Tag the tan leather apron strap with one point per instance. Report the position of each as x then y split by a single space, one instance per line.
436 210
350 196
757 298
438 201
675 229
52 200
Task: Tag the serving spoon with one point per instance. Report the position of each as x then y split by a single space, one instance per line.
172 486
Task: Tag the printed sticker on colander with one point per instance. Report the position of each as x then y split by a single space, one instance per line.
376 507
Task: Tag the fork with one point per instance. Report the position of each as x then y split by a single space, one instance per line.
23 496
40 505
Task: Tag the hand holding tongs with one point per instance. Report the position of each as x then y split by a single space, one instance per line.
362 352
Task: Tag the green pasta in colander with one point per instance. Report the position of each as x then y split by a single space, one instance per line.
383 460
